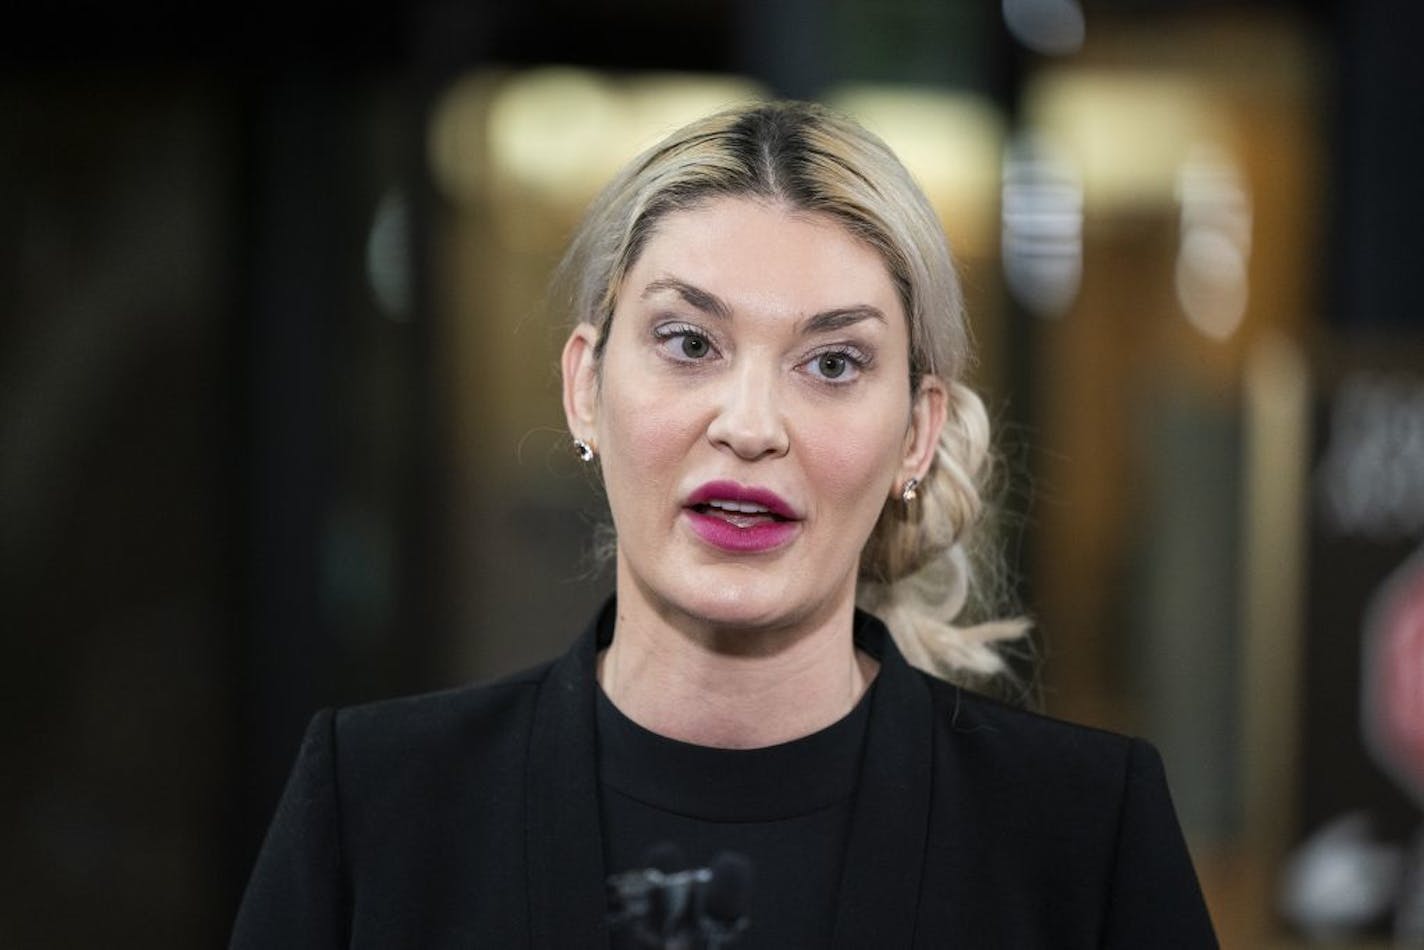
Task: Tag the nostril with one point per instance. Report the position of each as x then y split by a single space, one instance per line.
749 423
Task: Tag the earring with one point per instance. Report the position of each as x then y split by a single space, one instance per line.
583 450
911 491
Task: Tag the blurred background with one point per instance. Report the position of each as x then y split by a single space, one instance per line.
279 424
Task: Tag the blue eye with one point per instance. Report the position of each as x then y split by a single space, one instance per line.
836 366
684 343
831 365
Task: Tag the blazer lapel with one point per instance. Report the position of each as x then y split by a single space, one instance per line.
563 834
884 859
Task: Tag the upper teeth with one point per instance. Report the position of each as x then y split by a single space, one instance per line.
746 507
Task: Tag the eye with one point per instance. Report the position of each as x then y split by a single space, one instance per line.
831 365
694 347
840 365
684 343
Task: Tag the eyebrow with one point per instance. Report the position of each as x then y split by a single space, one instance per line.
695 296
826 321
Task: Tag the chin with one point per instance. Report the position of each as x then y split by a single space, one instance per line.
763 604
730 595
742 616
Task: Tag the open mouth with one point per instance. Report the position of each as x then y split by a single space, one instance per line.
743 514
741 519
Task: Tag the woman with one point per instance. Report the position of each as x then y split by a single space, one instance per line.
765 366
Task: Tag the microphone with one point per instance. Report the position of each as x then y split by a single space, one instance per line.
689 909
665 857
724 901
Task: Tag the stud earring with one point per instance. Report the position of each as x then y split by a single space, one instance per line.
911 491
583 450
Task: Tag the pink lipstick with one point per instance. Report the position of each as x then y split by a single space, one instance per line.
740 518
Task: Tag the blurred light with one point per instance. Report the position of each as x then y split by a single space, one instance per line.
1126 132
1042 229
950 142
559 133
388 256
1211 282
657 104
455 141
1392 677
1053 27
1340 880
1369 480
555 132
1215 243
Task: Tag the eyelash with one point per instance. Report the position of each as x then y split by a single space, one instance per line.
667 333
671 332
858 360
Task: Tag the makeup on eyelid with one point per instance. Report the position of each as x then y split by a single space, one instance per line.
768 352
855 356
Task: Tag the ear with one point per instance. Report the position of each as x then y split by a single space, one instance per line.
581 382
927 415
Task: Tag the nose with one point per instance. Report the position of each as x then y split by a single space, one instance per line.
749 419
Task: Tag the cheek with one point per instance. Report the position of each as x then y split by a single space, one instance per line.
645 437
853 460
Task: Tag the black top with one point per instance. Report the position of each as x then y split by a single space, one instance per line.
471 818
784 807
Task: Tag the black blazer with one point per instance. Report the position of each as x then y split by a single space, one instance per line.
470 818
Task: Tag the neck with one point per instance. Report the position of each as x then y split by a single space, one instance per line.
732 688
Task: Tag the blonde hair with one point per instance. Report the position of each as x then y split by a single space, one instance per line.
916 569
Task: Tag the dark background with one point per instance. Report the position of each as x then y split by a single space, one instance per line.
224 475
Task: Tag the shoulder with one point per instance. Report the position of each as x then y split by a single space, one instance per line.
1055 813
423 710
1021 751
438 728
1056 793
965 713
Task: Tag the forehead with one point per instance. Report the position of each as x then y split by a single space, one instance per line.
760 255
